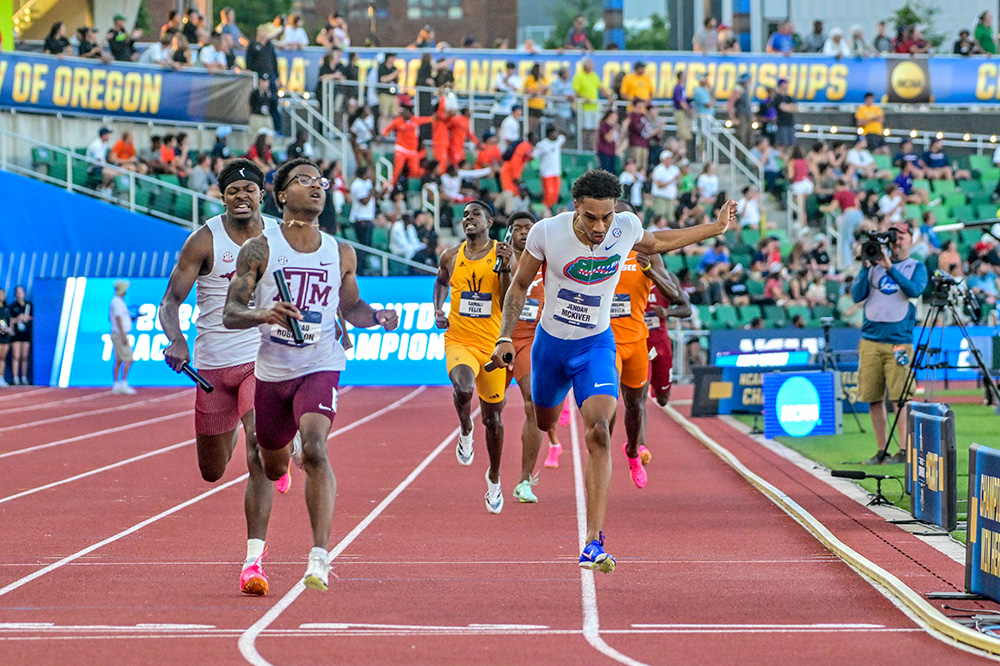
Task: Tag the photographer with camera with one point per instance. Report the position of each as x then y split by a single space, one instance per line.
888 281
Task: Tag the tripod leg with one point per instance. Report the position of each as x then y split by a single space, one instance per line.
843 392
911 376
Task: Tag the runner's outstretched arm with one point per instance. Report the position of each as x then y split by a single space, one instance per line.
190 265
513 304
250 265
355 310
665 240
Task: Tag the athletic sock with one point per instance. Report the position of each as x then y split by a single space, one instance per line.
316 551
254 548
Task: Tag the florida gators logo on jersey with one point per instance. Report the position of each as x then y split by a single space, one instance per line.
592 270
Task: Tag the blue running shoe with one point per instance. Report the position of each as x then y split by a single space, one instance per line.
593 557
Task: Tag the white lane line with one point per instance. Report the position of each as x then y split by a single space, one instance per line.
124 533
92 472
108 431
374 415
46 405
591 620
24 394
80 415
247 641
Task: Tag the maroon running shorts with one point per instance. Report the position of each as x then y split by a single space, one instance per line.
221 410
279 406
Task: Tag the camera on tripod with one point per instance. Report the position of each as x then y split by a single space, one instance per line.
874 241
947 289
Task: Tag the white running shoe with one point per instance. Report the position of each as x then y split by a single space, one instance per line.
494 496
297 450
116 388
3 383
463 450
317 573
126 389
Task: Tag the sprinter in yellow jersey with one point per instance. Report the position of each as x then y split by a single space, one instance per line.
473 322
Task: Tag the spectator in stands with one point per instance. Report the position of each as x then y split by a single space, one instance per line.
908 155
403 240
727 40
949 260
181 52
799 285
88 45
510 128
912 42
774 287
708 182
364 196
816 293
173 25
665 180
985 250
608 135
882 42
861 162
892 204
168 154
120 41
717 254
536 87
797 173
21 324
56 42
914 195
784 137
262 59
939 164
295 37
927 231
588 88
638 135
192 22
706 40
300 147
227 26
261 101
682 113
767 258
220 150
548 152
814 41
203 179
637 85
857 45
845 203
748 208
836 46
983 282
736 291
782 41
260 152
507 86
870 118
562 94
851 314
99 176
123 154
983 33
512 169
632 181
740 110
819 258
576 36
764 155
213 56
964 46
703 105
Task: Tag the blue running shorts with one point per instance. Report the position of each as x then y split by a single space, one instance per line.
586 365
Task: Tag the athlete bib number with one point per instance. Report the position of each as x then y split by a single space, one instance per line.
475 304
652 321
530 311
621 306
577 309
311 325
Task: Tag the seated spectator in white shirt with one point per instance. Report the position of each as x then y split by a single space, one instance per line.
892 204
632 181
836 46
748 208
403 240
202 179
861 161
295 36
211 57
708 182
159 53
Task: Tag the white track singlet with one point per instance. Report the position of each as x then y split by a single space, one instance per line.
580 280
217 346
314 282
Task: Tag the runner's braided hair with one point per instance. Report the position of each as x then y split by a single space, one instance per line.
281 176
596 184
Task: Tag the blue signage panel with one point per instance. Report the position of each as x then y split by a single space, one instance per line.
931 469
797 404
81 353
982 540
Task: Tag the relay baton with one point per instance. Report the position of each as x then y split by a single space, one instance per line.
491 366
286 296
498 265
196 376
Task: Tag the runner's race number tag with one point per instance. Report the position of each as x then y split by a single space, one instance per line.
311 325
652 321
577 309
475 304
621 306
530 311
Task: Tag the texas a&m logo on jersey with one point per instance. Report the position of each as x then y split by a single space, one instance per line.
309 287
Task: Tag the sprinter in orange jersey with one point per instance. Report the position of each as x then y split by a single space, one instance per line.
441 135
407 152
477 275
523 337
460 133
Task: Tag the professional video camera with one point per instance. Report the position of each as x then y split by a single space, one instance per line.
947 289
874 241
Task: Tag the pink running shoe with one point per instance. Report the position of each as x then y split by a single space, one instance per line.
635 469
552 460
564 416
284 483
253 580
645 455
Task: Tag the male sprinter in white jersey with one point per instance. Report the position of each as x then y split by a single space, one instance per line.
583 252
225 358
297 381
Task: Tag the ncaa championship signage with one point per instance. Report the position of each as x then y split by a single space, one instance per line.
931 466
80 352
797 404
982 541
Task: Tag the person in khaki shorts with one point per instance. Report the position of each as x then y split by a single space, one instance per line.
121 325
887 286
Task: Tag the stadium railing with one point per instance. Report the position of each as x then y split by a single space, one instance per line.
24 268
323 133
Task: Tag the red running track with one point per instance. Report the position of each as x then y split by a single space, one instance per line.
117 552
